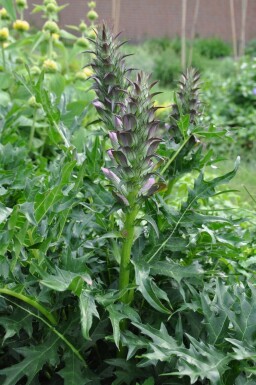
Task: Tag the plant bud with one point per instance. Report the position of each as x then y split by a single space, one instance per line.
21 3
46 2
51 27
50 66
84 74
92 4
51 8
3 14
92 34
82 42
4 34
35 70
33 103
82 26
21 25
92 15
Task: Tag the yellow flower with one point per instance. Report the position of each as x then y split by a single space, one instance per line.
21 25
55 36
84 74
3 14
162 107
50 66
33 103
4 34
92 34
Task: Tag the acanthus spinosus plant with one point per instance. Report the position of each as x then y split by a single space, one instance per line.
148 293
127 109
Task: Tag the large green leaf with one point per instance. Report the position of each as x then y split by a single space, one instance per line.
64 280
14 322
201 361
150 291
35 358
44 202
216 319
118 312
161 338
87 310
72 372
176 271
206 189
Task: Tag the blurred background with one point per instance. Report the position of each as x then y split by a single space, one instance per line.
218 37
143 19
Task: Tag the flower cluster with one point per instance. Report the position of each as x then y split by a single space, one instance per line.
187 101
127 109
21 25
110 79
4 34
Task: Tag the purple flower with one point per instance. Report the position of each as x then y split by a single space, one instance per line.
254 91
148 185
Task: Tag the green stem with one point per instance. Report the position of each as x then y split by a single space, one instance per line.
3 57
32 132
170 185
30 302
50 47
125 265
174 156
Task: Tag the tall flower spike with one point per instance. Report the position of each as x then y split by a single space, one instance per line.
127 109
110 81
187 101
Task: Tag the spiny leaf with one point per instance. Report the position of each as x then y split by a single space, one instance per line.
118 312
150 291
87 310
175 270
35 358
72 372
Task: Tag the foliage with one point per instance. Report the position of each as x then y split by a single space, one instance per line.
235 106
250 48
117 269
212 48
162 57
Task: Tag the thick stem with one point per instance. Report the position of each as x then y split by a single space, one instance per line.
128 231
125 264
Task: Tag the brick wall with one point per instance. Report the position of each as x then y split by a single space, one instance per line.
140 19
